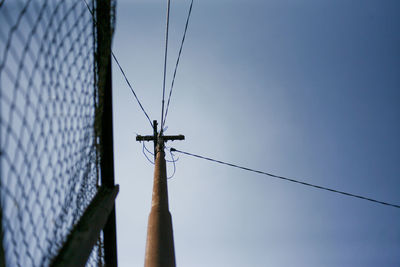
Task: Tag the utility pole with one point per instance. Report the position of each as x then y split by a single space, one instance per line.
160 250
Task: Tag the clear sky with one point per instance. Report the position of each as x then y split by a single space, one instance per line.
300 88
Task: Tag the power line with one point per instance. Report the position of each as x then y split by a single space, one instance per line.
144 153
177 61
173 161
133 91
165 67
288 179
122 71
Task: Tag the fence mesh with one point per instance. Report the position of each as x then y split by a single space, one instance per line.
49 168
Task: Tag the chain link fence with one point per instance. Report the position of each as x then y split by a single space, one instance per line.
49 161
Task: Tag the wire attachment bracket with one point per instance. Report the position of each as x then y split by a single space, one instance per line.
158 138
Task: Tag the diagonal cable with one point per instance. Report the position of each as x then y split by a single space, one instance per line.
288 179
177 61
133 91
122 71
165 66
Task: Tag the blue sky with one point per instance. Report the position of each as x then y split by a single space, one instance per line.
304 89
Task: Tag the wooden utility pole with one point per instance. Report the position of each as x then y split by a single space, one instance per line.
160 250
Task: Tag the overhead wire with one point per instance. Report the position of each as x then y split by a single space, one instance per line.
133 91
144 153
163 118
122 71
148 151
173 161
288 179
165 66
151 153
177 61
